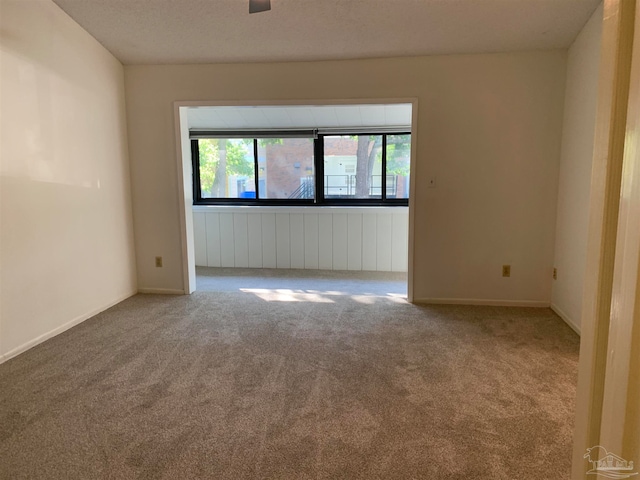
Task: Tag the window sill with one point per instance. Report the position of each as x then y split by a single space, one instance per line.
296 209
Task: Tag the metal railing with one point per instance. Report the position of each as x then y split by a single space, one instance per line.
341 186
305 190
346 186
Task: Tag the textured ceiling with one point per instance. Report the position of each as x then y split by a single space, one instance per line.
219 31
303 116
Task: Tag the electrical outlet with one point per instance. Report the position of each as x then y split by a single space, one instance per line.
506 270
555 273
158 262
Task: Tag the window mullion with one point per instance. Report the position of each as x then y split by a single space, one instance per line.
383 180
318 153
195 163
256 172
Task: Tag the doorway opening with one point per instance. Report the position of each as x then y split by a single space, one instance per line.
296 190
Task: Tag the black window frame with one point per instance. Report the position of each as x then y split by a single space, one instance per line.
319 178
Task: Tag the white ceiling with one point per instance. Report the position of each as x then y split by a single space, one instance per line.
217 31
303 116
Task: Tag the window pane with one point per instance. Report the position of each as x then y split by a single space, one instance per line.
352 166
398 161
227 168
285 168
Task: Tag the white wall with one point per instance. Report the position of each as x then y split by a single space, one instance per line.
329 238
575 171
66 236
489 130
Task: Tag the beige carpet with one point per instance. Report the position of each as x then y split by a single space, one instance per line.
293 383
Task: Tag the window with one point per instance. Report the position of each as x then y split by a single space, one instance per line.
327 169
398 162
353 167
226 168
286 168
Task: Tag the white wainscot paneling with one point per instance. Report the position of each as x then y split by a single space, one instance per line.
241 240
340 241
200 237
254 230
283 241
335 238
369 242
311 241
384 224
227 248
399 242
268 240
325 241
296 239
354 241
212 230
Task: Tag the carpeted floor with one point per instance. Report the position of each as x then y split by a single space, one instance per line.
293 383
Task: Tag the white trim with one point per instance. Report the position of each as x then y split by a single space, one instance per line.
592 414
480 301
294 209
161 291
574 326
184 194
621 397
62 328
412 198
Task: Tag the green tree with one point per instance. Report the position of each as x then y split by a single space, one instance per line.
219 187
219 158
366 155
237 163
209 158
398 152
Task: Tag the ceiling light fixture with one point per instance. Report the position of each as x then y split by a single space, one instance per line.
256 6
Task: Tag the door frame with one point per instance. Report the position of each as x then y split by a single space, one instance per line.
184 170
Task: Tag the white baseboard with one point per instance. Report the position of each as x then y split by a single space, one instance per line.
161 291
478 301
62 328
574 326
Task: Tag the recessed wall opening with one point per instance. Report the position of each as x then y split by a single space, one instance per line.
298 199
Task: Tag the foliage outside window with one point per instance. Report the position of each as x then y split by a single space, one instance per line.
226 168
398 165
